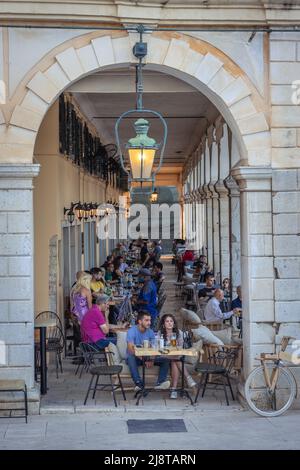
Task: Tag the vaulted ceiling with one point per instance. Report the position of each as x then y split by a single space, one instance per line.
104 96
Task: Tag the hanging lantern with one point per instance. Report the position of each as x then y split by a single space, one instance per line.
142 149
154 197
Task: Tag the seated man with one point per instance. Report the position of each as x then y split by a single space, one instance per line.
94 326
209 288
237 302
147 299
135 337
213 310
157 273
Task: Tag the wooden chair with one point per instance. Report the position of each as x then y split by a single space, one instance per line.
219 366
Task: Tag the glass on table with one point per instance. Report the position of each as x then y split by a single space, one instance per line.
173 341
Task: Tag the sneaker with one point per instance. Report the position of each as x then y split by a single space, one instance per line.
191 382
163 386
173 394
138 387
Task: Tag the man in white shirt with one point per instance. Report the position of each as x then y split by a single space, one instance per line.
213 311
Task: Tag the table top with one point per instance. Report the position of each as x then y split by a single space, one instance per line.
42 323
140 352
119 327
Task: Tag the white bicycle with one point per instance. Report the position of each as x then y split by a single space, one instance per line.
271 388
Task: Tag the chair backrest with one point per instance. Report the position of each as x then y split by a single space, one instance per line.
161 302
55 339
158 287
200 304
49 315
90 352
225 356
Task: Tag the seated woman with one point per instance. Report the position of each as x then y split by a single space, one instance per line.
168 327
94 326
97 282
81 296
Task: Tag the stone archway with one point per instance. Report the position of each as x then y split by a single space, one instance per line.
190 59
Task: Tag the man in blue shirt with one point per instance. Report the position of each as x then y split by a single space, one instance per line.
147 299
135 337
237 302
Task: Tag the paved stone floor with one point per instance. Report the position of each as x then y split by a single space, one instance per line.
210 429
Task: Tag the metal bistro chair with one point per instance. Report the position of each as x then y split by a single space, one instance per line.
13 386
105 371
219 365
161 302
55 342
90 356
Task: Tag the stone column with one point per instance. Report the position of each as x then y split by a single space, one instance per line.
208 197
257 262
223 200
16 267
214 170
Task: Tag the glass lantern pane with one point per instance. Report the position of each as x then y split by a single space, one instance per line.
141 162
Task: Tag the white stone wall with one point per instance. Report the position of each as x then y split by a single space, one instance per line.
286 226
16 283
285 100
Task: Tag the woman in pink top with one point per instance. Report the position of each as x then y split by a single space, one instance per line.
94 326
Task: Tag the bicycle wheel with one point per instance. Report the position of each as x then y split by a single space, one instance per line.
264 402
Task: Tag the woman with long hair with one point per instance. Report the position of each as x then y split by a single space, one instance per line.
81 296
168 329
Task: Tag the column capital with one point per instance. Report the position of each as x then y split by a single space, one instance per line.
221 188
253 178
232 186
18 176
22 170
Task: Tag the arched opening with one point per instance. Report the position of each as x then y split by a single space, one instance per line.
235 110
